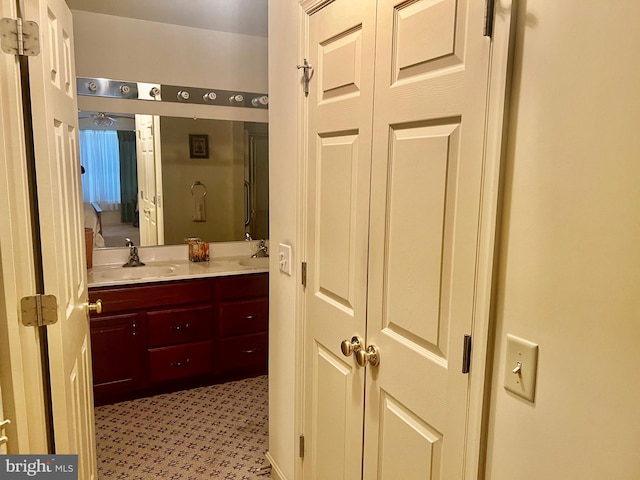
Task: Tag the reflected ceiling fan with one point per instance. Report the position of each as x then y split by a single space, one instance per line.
102 119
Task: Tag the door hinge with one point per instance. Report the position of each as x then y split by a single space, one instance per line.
488 18
466 354
301 446
304 274
19 37
39 310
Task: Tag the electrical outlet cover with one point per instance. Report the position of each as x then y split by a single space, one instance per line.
521 366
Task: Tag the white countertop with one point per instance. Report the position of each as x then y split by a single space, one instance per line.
169 263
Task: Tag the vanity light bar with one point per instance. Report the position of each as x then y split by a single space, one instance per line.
103 87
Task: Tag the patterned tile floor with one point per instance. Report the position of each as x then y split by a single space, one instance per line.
214 432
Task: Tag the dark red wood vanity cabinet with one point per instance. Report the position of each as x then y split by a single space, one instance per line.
158 337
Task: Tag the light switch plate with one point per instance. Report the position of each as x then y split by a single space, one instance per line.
521 366
284 258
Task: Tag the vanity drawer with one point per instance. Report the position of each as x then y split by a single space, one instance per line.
187 360
238 287
130 297
243 352
179 325
249 316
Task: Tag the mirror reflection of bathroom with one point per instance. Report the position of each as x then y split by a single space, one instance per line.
139 185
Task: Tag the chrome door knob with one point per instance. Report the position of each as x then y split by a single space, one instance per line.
95 307
371 356
349 347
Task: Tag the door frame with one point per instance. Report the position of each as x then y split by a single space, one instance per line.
500 67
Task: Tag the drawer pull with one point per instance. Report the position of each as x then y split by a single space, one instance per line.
180 364
177 328
251 350
248 317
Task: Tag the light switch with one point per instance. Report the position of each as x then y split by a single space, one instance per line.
284 258
521 365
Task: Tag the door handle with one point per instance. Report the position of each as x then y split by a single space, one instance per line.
95 307
353 346
371 356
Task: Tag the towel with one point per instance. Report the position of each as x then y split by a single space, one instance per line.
199 214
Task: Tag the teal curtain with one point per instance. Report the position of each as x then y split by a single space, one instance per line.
128 177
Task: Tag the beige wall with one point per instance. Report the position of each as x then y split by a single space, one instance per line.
283 223
569 274
222 174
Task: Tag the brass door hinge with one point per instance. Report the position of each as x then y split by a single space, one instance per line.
39 310
19 37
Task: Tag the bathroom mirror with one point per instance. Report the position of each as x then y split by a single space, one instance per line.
215 185
134 183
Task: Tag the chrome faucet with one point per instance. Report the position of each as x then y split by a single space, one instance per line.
134 259
262 250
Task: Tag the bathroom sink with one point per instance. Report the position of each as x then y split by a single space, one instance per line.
135 273
259 262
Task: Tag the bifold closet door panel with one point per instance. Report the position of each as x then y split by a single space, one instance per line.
428 142
340 102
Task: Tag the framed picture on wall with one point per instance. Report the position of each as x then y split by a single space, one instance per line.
198 146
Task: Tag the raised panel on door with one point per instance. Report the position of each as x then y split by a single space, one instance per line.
54 112
339 142
428 135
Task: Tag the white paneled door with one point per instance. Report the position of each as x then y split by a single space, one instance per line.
339 143
394 190
148 153
55 128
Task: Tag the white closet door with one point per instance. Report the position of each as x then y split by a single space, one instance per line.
341 42
428 137
147 129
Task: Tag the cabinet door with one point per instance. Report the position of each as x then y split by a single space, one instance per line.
117 354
